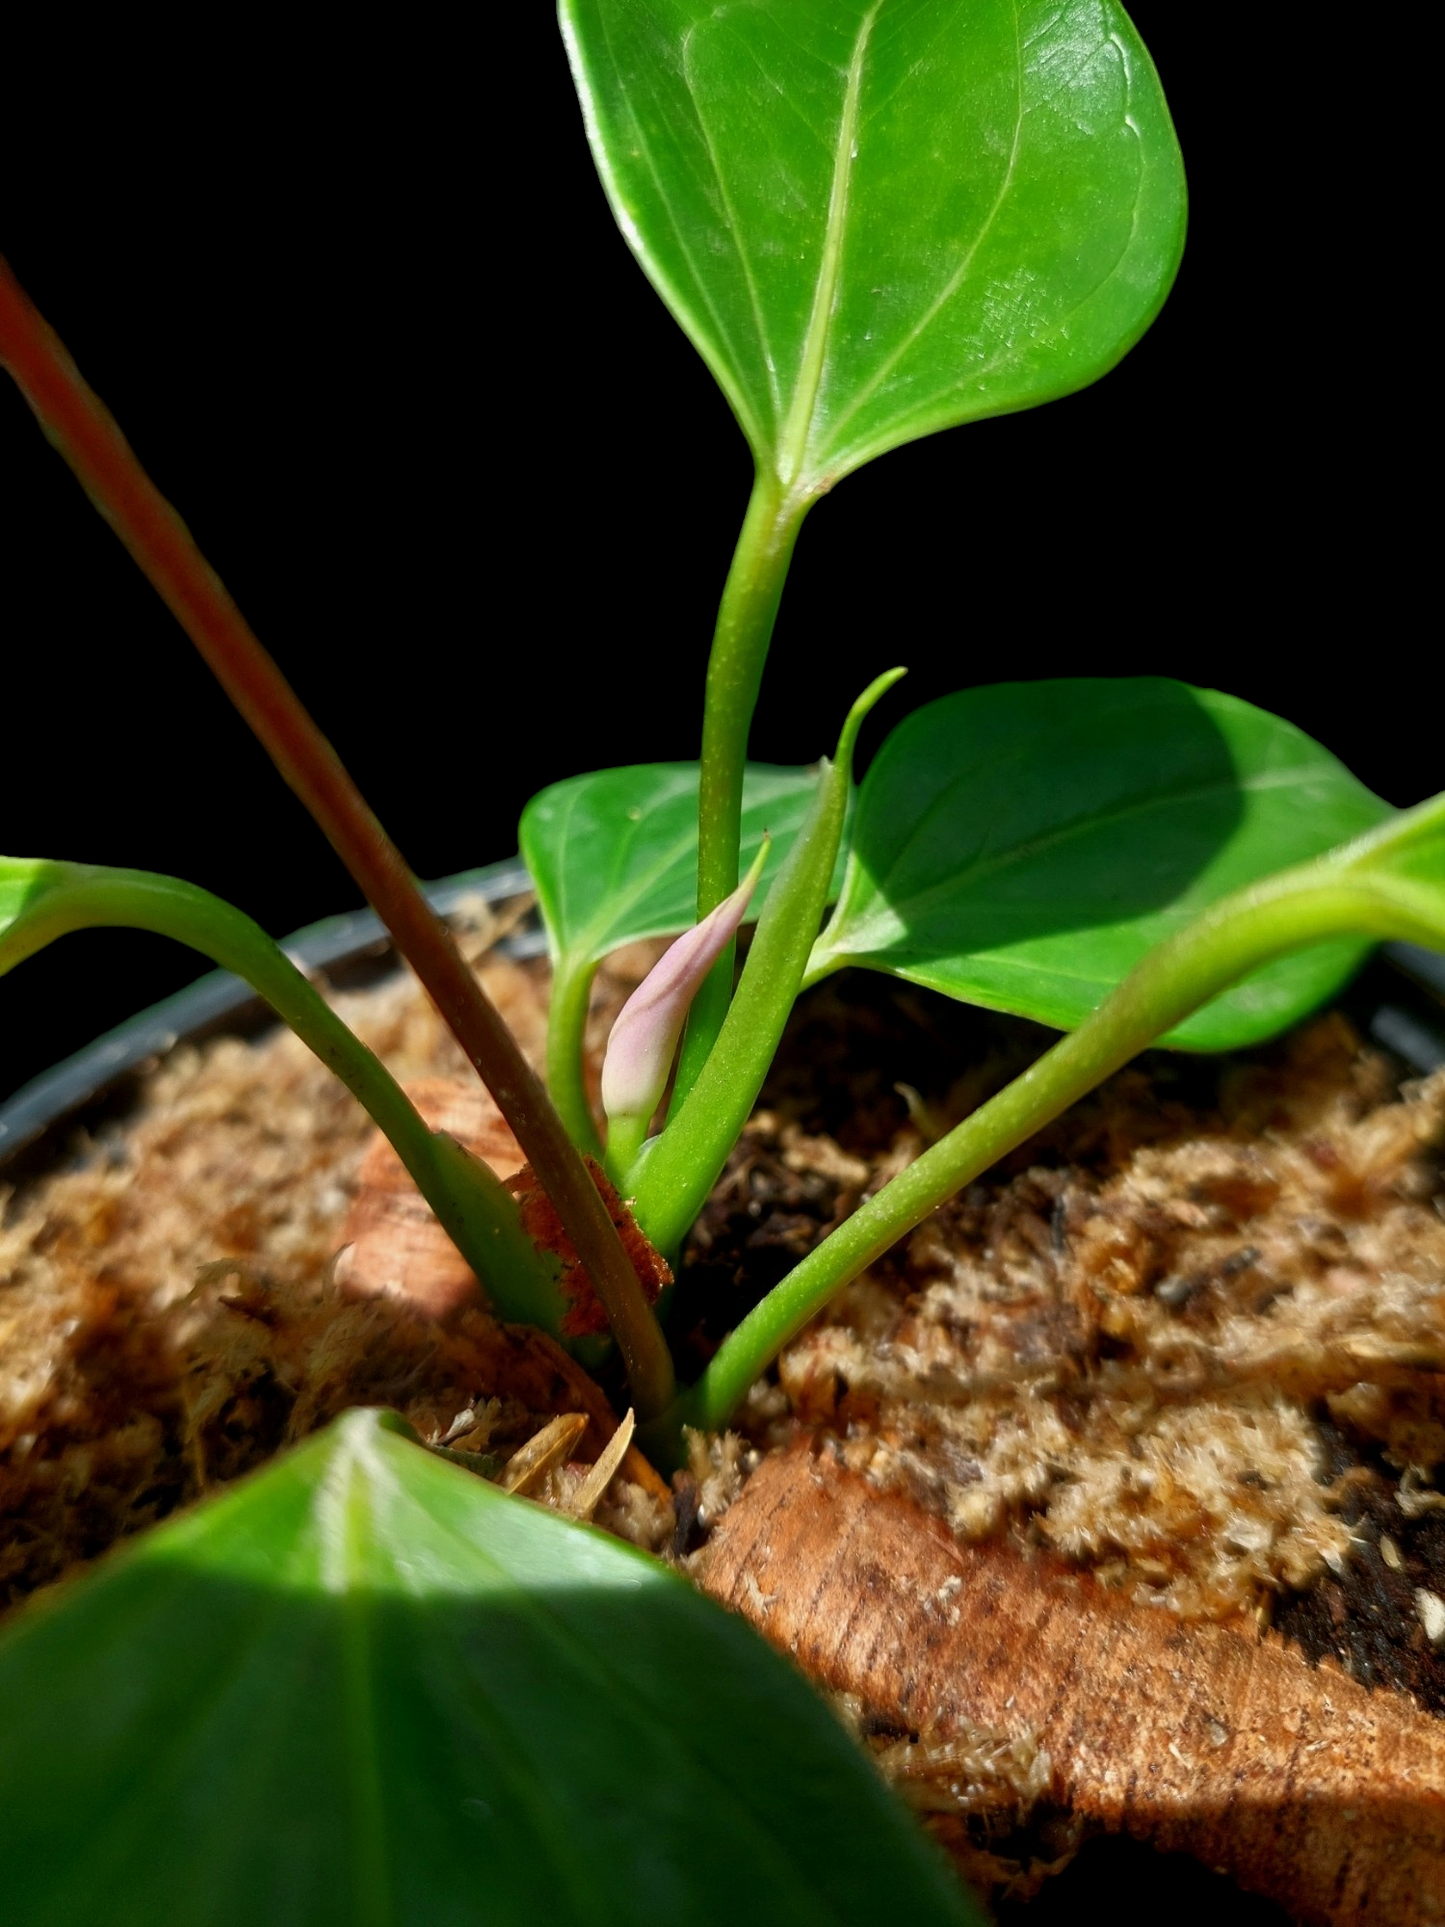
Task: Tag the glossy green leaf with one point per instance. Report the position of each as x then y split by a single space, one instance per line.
1022 846
365 1687
879 218
614 854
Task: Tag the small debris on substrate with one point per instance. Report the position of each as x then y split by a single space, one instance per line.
1383 1618
1177 1341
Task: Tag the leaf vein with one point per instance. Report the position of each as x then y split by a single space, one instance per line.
955 281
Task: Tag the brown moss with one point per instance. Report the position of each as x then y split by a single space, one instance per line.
1123 1346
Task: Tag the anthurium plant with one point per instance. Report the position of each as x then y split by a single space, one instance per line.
368 1685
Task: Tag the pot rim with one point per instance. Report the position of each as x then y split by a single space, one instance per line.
219 1002
1405 1013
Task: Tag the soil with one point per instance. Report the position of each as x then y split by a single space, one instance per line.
1189 1341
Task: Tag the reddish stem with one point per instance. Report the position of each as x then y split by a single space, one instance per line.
83 431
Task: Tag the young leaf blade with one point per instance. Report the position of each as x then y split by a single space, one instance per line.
679 1168
880 218
1023 845
365 1687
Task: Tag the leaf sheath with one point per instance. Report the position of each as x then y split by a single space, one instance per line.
681 1166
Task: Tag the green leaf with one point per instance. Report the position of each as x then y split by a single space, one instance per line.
614 854
880 218
1386 884
1023 846
365 1687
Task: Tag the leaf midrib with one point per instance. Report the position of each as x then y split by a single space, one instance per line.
866 391
593 1665
793 442
347 1493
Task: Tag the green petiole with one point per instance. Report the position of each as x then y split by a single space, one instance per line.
40 901
682 1165
746 615
566 1032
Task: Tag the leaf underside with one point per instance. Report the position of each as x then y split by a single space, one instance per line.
880 218
1022 846
614 854
365 1687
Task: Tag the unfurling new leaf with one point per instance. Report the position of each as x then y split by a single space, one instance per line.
681 1166
614 858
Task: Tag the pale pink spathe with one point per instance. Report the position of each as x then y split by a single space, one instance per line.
645 1036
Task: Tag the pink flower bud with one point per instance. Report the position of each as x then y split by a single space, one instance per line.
645 1035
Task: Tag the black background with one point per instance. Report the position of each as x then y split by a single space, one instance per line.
360 306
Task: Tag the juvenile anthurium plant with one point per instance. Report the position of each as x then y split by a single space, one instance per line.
367 1685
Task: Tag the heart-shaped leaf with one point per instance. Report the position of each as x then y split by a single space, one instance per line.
614 854
878 218
365 1687
1023 845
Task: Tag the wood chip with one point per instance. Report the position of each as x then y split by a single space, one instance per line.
393 1246
587 1497
1202 1739
530 1463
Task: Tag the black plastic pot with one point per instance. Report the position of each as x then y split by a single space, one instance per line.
98 1083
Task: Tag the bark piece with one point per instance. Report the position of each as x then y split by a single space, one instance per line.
1202 1739
394 1247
